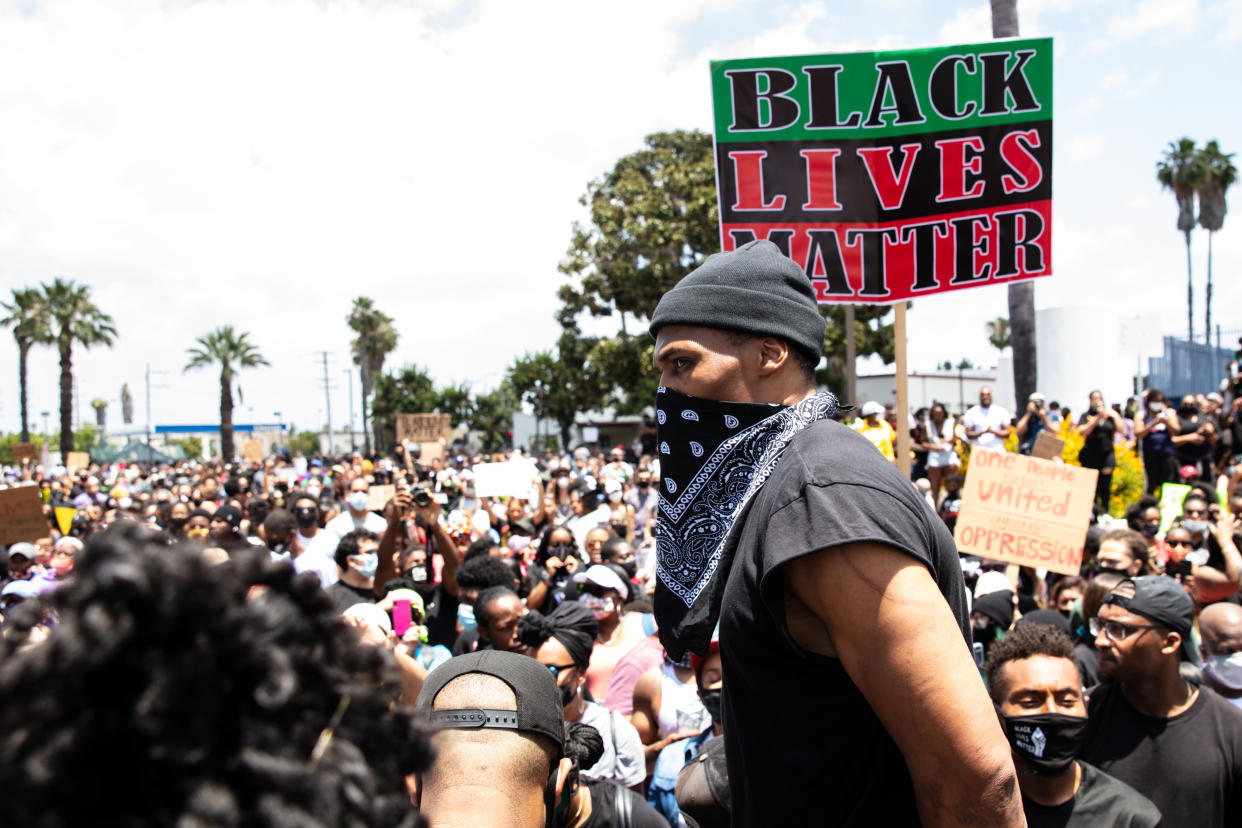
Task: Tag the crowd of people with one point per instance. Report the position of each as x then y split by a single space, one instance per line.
293 642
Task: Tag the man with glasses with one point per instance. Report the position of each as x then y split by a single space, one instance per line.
1181 746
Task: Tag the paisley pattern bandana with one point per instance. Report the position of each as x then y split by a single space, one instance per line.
714 458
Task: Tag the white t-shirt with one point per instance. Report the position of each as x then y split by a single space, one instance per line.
979 418
344 523
623 760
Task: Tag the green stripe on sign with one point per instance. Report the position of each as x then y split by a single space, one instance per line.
879 94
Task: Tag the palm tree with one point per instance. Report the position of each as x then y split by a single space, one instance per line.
74 318
1180 171
27 316
998 333
1021 294
375 341
1218 175
232 351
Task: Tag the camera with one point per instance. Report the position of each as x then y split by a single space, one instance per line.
421 496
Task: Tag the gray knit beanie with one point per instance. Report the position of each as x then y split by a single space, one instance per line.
753 289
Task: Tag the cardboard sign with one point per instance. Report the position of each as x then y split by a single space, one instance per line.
427 452
378 497
25 451
1171 497
1024 510
513 478
1047 446
21 515
78 460
891 175
423 428
252 450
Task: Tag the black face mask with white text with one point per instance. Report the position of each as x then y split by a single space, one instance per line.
1048 742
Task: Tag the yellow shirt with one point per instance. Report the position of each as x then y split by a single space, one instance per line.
881 437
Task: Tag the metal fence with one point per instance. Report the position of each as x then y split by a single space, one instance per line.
1189 367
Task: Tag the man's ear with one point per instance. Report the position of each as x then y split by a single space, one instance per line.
773 354
1172 643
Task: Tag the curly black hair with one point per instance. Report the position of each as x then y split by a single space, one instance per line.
486 571
173 692
1025 641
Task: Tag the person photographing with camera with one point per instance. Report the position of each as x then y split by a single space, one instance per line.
1098 427
1032 422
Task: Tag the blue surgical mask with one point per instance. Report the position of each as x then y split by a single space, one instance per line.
365 564
469 504
1196 527
358 501
465 617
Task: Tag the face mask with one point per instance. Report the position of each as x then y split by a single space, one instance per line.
197 532
618 529
711 701
1196 527
313 491
614 497
62 566
1156 407
630 567
1048 742
365 564
1107 569
417 574
1225 671
562 482
568 691
1151 529
465 617
358 501
469 504
643 484
176 524
124 503
306 519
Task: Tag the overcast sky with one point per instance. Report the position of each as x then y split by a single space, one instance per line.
262 163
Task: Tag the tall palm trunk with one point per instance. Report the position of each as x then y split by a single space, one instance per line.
365 374
1190 295
1022 294
23 351
1207 332
66 394
226 414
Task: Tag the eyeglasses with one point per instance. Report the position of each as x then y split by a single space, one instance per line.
1115 630
557 669
1179 543
1193 512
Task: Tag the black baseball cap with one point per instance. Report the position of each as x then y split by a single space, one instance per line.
538 708
1160 599
229 514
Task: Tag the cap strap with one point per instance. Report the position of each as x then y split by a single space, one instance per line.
474 718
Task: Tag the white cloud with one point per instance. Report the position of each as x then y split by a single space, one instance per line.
1154 16
1085 147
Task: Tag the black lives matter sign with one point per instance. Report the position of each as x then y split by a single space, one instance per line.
891 175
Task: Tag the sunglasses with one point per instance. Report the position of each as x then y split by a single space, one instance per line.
1116 631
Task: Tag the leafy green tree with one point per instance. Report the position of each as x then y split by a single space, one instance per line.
304 442
28 316
1218 174
409 390
232 351
1180 171
562 384
493 418
192 447
376 339
871 336
7 441
998 333
74 319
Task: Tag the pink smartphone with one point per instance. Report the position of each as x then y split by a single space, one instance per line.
401 617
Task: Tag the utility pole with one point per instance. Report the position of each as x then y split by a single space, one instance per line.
349 372
148 384
327 398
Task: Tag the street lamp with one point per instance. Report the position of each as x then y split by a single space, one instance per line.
281 435
45 433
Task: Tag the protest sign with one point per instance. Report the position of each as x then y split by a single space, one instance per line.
891 175
1025 510
423 428
1047 447
25 451
590 434
64 518
21 515
252 450
78 460
378 497
513 478
1171 497
428 452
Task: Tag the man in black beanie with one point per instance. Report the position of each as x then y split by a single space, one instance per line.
837 590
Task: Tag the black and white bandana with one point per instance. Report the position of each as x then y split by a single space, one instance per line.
714 457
